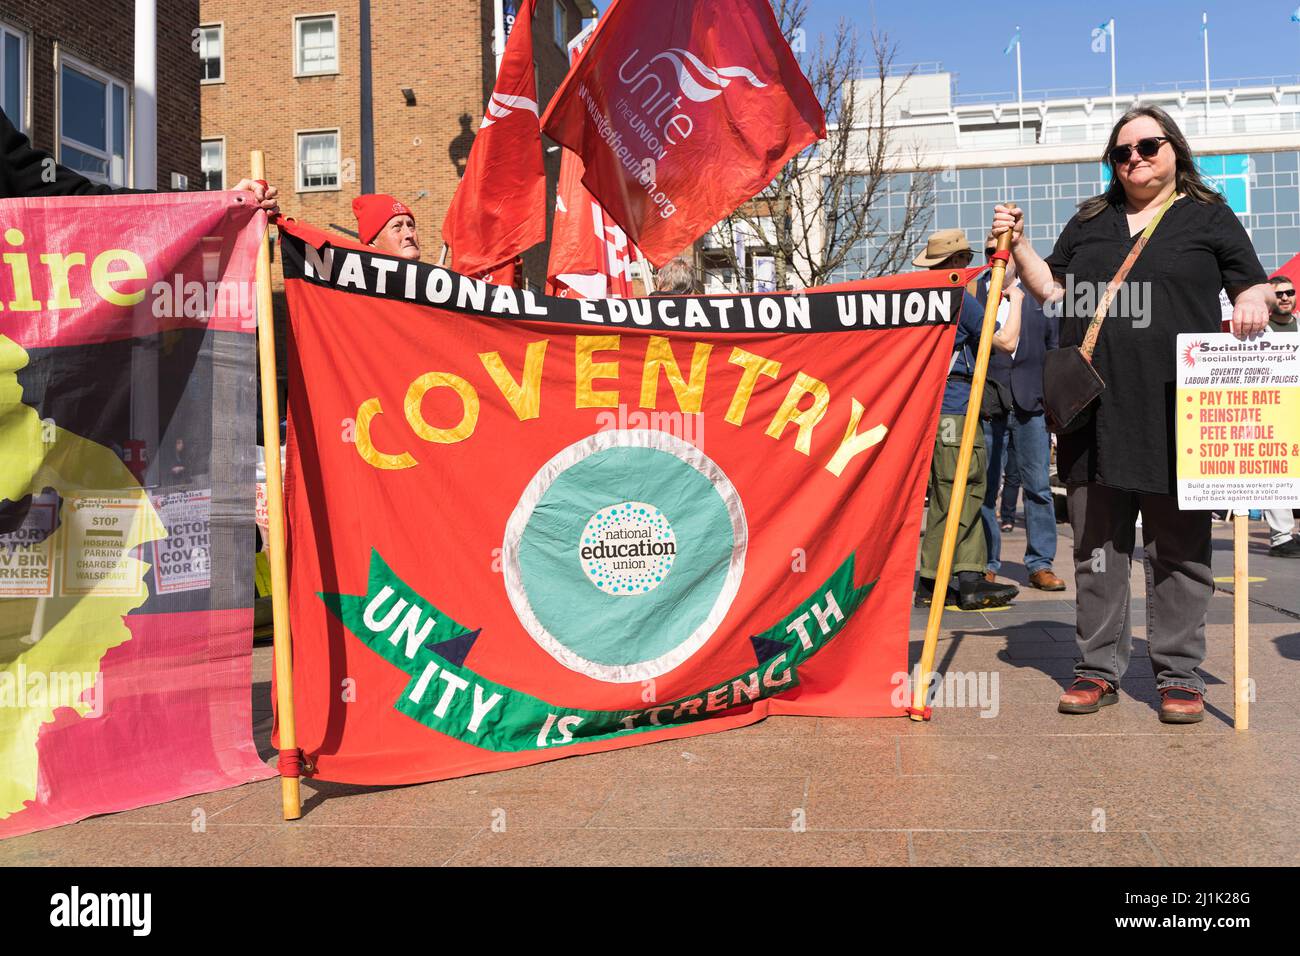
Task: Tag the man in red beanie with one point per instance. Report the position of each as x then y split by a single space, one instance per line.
387 224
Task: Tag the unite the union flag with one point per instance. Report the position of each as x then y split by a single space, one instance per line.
681 111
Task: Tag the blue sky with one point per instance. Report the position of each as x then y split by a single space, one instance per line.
1157 40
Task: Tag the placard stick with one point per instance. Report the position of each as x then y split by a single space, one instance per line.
918 710
289 758
1240 621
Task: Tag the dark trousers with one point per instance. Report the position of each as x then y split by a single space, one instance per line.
1021 437
1179 583
1010 485
970 552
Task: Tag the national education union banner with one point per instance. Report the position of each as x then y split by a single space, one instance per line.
524 528
126 502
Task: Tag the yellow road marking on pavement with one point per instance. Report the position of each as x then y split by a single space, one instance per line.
1228 580
977 610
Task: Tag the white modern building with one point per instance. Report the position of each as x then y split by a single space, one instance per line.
1044 152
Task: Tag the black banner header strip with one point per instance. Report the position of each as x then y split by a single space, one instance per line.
399 280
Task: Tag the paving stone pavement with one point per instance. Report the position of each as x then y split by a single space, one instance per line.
995 778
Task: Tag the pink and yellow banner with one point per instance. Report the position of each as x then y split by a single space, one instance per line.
127 422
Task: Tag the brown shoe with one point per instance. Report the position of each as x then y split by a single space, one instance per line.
990 577
1087 695
1178 705
1045 580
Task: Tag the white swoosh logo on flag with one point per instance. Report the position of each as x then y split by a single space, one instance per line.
503 104
719 77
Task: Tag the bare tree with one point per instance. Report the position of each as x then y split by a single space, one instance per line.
829 201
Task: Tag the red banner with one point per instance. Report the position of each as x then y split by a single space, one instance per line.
591 257
681 111
126 502
525 527
499 209
1290 269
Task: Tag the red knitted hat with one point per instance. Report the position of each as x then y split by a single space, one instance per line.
373 212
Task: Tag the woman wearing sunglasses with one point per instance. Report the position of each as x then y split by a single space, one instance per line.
1120 462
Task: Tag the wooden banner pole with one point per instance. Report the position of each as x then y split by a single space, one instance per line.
920 689
1240 621
289 779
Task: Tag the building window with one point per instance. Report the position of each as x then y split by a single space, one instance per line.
561 27
13 74
211 50
93 123
318 160
317 43
213 163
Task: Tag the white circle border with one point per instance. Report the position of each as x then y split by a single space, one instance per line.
538 486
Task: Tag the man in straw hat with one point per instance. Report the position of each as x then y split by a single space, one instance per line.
948 249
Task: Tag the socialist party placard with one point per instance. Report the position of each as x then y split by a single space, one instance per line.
1237 410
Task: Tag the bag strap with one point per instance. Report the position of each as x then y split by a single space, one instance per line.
1094 327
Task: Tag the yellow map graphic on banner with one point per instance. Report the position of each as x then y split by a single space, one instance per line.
51 646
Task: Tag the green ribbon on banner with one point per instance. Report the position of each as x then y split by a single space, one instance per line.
411 633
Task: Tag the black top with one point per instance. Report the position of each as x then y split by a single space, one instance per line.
1173 287
1023 373
27 171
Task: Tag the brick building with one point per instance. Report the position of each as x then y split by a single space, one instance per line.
67 69
287 79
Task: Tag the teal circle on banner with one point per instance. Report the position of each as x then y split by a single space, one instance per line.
625 553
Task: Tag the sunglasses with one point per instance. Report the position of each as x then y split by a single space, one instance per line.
1285 293
1146 148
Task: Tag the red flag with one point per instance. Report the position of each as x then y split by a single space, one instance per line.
499 209
591 257
1290 269
503 273
615 490
681 111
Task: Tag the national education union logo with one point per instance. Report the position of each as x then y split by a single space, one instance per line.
624 554
628 548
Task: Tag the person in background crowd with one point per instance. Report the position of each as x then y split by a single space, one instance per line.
180 462
676 277
29 172
948 249
387 224
1017 429
1010 488
1281 521
1283 317
1121 462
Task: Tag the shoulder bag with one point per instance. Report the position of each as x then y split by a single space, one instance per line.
1071 386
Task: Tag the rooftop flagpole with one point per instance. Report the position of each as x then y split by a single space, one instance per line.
1020 93
1112 71
1020 97
1295 15
1205 38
